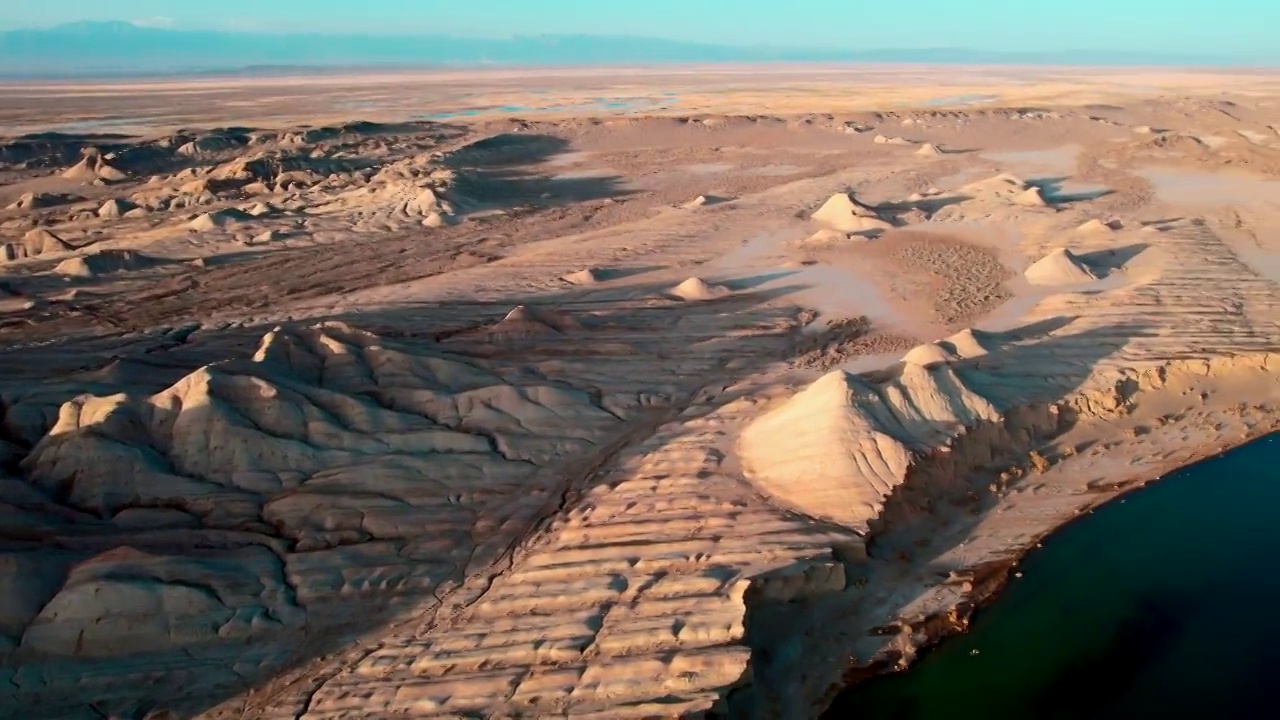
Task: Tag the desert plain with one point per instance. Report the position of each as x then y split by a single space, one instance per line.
611 394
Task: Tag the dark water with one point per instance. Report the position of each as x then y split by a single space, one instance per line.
1163 604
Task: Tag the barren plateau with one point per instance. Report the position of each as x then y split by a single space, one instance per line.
537 394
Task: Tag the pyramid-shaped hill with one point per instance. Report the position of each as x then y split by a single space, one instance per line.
696 288
839 447
844 213
1060 267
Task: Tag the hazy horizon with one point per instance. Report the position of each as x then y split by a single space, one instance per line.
78 38
1238 27
1242 28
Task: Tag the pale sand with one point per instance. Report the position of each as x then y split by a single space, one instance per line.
489 420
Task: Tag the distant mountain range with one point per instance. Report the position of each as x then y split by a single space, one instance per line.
121 48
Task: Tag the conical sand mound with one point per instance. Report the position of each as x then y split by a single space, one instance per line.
43 241
1060 267
586 276
34 243
426 203
968 343
93 166
1030 197
556 320
698 289
114 208
928 355
522 323
1003 186
101 263
107 172
831 238
28 201
1096 226
217 219
82 171
929 150
842 212
838 448
702 200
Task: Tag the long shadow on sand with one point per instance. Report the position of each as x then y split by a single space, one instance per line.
1051 188
500 172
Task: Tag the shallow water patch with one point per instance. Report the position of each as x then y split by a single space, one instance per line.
623 105
961 100
1181 186
1054 161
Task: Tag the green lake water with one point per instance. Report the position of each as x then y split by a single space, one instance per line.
1161 604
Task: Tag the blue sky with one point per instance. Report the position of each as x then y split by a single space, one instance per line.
1243 27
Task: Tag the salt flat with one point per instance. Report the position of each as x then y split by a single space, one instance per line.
669 394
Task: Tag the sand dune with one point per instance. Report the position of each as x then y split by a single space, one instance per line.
36 242
218 219
94 166
1060 267
1096 226
103 262
585 276
114 208
704 200
840 447
844 213
1030 197
928 355
830 238
524 322
696 288
968 343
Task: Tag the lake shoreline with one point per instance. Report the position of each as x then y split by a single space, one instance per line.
939 628
1031 606
962 559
